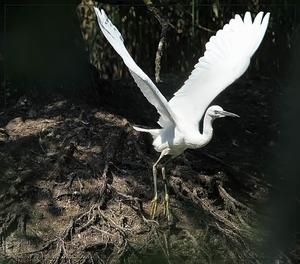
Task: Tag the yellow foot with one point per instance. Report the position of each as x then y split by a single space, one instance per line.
153 207
166 207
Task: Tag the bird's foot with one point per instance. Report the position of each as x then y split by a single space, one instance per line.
166 207
153 207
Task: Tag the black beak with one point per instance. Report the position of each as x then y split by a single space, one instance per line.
225 113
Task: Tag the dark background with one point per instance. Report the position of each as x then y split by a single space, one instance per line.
43 42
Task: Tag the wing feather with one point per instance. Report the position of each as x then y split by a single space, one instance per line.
226 58
145 84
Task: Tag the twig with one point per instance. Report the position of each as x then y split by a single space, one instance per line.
164 24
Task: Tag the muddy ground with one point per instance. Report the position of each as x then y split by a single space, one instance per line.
76 181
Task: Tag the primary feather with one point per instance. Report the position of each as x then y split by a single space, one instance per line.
226 58
145 84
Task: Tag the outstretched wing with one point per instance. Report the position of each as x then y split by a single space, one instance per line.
226 58
145 84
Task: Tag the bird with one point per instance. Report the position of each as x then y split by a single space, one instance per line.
226 58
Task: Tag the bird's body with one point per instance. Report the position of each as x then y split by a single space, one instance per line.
226 58
172 140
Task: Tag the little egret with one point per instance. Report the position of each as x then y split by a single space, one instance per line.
226 58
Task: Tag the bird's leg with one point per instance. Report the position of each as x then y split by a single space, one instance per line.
154 200
166 201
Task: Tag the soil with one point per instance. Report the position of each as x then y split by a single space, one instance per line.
76 181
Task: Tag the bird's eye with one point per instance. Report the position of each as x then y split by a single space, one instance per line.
216 112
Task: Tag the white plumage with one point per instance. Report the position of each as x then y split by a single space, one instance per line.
226 58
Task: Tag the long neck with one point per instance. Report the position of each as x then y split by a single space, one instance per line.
194 139
207 126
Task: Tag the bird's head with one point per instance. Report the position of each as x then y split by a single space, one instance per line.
216 111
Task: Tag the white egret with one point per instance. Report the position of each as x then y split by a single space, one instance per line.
226 58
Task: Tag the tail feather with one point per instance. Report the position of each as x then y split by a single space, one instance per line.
153 132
